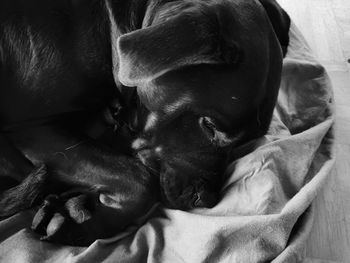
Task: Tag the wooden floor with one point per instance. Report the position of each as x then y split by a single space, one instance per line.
326 26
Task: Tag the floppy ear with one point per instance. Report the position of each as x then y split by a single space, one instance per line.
280 21
192 39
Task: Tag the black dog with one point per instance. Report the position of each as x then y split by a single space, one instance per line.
207 75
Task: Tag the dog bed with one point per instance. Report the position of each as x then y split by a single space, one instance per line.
265 214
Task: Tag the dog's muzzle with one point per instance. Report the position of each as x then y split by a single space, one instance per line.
182 186
185 189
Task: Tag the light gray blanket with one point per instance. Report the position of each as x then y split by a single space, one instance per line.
265 214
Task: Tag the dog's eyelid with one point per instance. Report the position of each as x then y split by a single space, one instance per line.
209 122
208 127
217 122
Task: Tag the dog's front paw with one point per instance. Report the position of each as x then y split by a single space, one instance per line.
45 213
63 218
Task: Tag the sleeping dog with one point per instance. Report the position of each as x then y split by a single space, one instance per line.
192 80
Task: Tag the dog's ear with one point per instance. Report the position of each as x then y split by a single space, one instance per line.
280 21
183 40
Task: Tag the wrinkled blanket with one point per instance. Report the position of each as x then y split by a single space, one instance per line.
265 214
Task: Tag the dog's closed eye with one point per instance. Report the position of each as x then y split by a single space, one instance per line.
208 126
214 134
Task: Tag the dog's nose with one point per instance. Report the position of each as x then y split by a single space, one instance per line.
205 200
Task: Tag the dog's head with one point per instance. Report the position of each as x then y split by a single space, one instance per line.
207 75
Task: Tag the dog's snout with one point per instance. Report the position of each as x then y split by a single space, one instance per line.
184 189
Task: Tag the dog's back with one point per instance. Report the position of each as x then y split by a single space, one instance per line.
54 58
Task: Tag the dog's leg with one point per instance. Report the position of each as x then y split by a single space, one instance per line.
65 219
81 215
99 191
14 168
82 219
25 194
13 163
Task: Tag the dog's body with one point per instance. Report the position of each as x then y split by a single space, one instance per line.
61 63
56 80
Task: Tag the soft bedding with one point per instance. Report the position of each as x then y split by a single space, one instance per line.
266 212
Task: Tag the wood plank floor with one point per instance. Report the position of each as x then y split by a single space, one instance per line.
326 26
